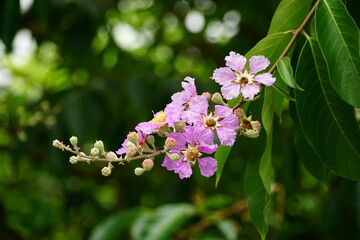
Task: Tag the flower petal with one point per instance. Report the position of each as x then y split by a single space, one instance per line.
235 61
223 75
222 111
226 135
258 63
208 166
250 90
180 141
265 78
230 91
208 149
189 86
183 169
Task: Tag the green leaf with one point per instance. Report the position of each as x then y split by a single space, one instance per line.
267 122
228 229
289 15
282 92
114 226
162 223
307 155
339 41
286 72
221 156
328 123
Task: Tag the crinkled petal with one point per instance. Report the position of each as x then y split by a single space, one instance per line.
231 121
197 133
208 149
179 97
223 75
183 169
168 163
265 78
146 127
230 91
250 90
122 150
258 63
198 105
208 166
180 141
226 136
235 61
222 111
173 112
189 86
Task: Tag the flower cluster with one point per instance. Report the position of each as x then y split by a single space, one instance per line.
194 124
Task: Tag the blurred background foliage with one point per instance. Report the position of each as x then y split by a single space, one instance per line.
94 69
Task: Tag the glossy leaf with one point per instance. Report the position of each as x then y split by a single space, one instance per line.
328 123
289 15
307 155
114 226
339 41
162 223
286 72
221 155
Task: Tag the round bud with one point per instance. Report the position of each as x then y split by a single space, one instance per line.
130 152
99 145
174 156
132 137
179 126
56 143
217 99
207 95
169 143
148 164
74 141
139 171
129 144
94 152
81 157
111 155
150 139
73 159
106 171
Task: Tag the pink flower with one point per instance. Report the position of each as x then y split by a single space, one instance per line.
235 80
190 146
160 119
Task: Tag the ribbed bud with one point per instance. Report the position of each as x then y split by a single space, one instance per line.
129 144
111 155
74 141
179 126
217 99
148 164
139 171
132 137
150 139
174 156
94 152
239 113
81 157
207 95
130 152
56 143
99 145
169 143
106 171
73 159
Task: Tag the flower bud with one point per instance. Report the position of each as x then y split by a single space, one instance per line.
217 99
139 171
174 156
106 171
207 95
132 137
150 139
239 113
179 126
81 157
252 131
130 144
130 152
169 143
111 155
73 159
94 152
56 143
74 141
99 145
148 164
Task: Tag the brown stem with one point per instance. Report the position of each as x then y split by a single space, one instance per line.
295 36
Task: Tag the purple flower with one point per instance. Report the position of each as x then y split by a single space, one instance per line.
235 80
160 119
190 146
223 122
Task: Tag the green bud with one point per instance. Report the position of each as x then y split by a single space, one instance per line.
74 141
217 99
132 137
174 156
148 164
106 171
81 157
130 144
139 171
99 145
130 152
73 159
94 152
207 95
111 155
169 143
150 139
179 126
